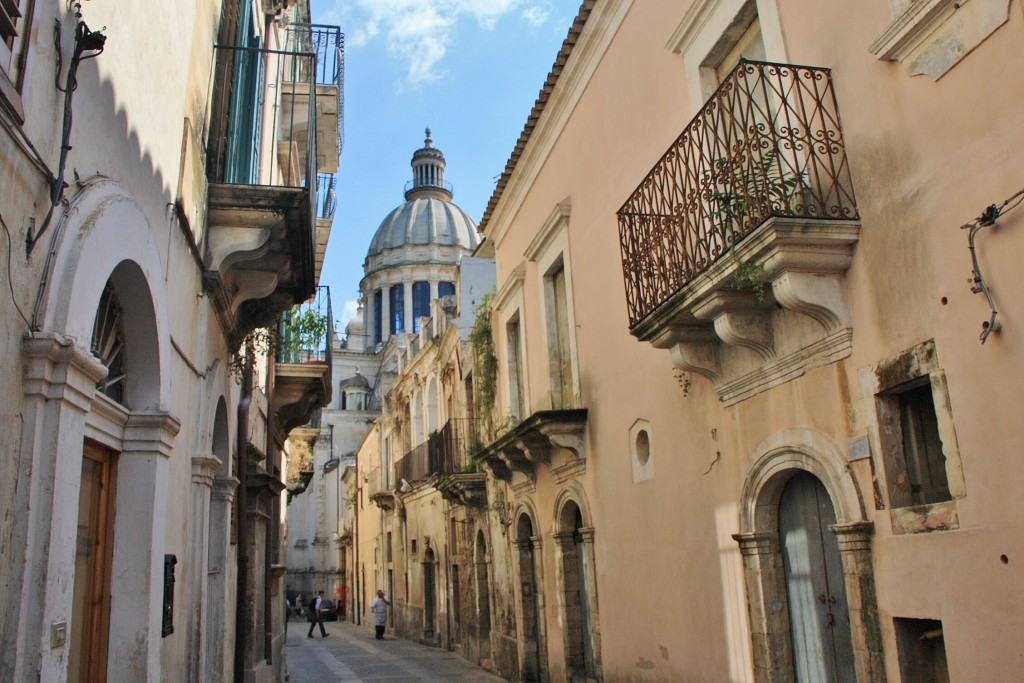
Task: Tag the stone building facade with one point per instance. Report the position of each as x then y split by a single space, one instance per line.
782 446
157 215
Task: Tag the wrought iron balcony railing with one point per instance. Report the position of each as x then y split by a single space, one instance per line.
305 331
444 452
254 131
326 196
767 144
328 44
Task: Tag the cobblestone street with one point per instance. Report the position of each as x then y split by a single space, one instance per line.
351 654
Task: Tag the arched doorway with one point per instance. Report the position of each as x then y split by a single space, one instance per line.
483 597
530 658
429 605
819 615
806 548
574 540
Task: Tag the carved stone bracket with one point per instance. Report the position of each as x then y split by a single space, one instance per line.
260 255
745 346
530 444
468 489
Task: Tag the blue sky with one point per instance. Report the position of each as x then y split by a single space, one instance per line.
469 69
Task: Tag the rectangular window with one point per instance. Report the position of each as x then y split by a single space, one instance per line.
378 316
921 650
445 289
562 395
420 303
390 559
913 440
14 31
922 448
515 370
396 299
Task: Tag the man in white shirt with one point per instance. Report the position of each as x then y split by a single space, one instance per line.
379 607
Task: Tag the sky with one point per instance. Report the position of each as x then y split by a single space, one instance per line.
469 69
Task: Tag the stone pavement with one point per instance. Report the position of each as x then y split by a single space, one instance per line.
351 654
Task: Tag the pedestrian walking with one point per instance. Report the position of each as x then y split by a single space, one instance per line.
315 616
379 607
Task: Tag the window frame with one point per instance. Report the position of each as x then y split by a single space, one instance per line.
882 384
14 58
509 304
550 251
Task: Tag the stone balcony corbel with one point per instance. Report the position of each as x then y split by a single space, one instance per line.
739 319
259 255
693 347
465 488
299 389
744 346
533 441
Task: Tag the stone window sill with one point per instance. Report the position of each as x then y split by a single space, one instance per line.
918 519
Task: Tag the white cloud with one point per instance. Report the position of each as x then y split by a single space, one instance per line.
419 32
348 311
536 15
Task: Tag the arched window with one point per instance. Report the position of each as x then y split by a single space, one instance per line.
420 303
108 344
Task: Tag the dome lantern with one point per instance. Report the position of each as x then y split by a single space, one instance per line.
428 173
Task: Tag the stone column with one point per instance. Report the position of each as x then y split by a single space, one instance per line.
203 469
765 581
136 605
407 288
219 578
855 551
385 311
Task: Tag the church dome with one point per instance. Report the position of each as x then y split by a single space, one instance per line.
428 216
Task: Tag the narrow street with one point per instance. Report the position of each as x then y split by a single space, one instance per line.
351 654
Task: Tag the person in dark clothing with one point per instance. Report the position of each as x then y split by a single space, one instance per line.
315 616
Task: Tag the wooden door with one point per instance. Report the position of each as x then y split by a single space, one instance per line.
90 612
818 611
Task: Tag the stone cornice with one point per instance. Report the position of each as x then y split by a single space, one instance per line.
582 51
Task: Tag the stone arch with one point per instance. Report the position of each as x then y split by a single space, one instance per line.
777 457
571 494
577 585
107 236
774 463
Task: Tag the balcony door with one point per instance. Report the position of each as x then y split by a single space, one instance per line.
90 612
242 163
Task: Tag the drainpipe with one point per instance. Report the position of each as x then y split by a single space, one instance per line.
270 452
242 536
356 612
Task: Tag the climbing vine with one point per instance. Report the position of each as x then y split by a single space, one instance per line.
481 339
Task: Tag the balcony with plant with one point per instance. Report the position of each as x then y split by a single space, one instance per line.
302 361
736 244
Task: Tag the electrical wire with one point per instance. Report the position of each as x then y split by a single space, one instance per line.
85 41
10 281
987 219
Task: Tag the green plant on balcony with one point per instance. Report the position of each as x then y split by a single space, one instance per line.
741 190
302 330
